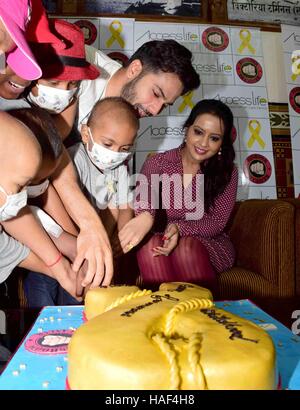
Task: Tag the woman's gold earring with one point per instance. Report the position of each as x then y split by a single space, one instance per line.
220 151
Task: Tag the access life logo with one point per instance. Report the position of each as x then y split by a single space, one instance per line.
250 101
215 67
291 41
185 35
157 132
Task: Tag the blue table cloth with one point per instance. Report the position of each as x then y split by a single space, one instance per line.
41 362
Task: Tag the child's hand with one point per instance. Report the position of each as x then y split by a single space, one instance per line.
64 274
170 241
135 230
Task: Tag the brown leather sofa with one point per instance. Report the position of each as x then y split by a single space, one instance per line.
266 236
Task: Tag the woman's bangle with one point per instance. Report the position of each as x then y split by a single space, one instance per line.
57 260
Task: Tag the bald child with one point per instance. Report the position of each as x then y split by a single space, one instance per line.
101 160
21 158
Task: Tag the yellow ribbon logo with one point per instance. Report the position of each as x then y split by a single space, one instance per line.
115 28
245 37
255 134
187 101
295 68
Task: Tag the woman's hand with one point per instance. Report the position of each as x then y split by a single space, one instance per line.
170 241
135 230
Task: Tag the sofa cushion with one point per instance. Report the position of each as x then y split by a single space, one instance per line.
238 283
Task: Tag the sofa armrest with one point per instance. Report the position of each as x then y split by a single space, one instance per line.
263 236
296 204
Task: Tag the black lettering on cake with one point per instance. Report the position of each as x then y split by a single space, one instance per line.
225 321
183 287
156 299
167 296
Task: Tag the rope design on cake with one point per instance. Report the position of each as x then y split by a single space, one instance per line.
194 343
194 347
127 298
184 307
168 350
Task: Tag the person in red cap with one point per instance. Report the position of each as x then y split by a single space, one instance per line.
63 69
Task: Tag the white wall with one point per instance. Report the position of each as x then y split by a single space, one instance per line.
274 67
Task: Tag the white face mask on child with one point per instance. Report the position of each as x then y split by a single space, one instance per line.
13 204
52 99
34 191
105 158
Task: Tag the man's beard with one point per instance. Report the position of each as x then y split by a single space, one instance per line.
129 93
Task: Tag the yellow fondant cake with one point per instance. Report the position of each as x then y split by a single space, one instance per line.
174 338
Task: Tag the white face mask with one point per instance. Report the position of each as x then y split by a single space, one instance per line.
13 204
52 99
105 158
34 191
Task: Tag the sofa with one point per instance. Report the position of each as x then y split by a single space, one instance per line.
266 236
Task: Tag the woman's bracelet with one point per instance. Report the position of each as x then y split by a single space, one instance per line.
57 260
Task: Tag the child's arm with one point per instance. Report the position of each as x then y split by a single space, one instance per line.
67 244
64 275
65 120
27 230
54 207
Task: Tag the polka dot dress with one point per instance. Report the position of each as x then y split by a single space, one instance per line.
179 203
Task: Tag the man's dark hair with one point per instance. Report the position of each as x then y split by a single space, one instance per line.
43 127
170 57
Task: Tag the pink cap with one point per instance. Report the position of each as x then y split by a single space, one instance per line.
15 15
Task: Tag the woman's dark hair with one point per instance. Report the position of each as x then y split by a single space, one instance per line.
43 127
217 170
170 57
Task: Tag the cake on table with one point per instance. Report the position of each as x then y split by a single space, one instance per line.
175 338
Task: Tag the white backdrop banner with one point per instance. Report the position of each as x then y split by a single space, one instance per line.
230 63
291 48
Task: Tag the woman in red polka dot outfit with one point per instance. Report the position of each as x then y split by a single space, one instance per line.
193 247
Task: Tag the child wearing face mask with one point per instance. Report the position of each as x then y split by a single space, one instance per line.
45 203
63 69
21 158
101 161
